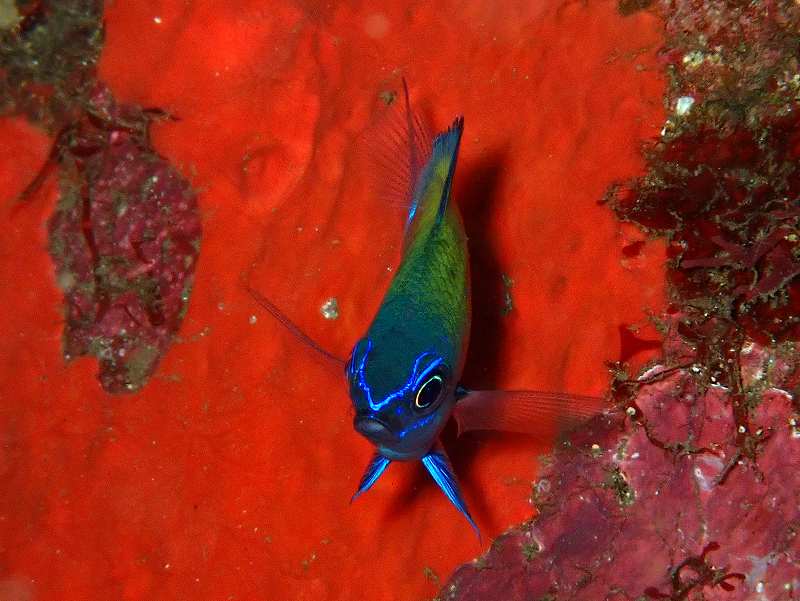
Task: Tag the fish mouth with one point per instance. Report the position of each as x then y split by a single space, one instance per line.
374 430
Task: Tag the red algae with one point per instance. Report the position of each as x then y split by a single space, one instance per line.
229 474
124 239
688 490
663 500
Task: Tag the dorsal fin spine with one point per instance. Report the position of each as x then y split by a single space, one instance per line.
417 152
446 146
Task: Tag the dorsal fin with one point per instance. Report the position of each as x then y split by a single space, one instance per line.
445 152
397 148
432 189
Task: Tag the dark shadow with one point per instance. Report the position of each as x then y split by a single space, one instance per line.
462 452
476 197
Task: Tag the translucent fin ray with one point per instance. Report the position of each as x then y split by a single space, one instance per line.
524 411
397 149
293 329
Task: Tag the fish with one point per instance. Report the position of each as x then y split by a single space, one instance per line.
404 373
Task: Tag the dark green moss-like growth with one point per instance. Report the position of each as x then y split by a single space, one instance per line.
628 7
48 54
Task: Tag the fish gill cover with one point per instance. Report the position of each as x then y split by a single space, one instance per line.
689 490
125 234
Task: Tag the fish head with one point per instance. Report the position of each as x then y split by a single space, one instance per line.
401 403
403 419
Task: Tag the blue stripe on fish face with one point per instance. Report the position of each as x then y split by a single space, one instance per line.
420 423
424 364
399 422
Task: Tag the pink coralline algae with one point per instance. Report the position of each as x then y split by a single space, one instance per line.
688 489
125 238
666 499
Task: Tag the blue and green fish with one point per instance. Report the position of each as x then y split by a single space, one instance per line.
404 374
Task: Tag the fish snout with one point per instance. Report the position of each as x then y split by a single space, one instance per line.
374 430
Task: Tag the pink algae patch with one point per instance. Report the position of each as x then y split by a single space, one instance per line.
662 500
229 474
124 239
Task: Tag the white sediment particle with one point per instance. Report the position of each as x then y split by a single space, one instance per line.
758 569
252 320
795 427
706 482
683 105
693 59
330 308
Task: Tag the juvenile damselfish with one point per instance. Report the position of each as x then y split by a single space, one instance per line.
404 374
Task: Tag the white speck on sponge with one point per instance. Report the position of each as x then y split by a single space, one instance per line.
330 308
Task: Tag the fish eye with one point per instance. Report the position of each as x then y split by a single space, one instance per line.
429 392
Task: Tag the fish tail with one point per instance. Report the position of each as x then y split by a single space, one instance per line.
413 169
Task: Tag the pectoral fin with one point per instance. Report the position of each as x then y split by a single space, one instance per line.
438 465
373 472
293 329
525 411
